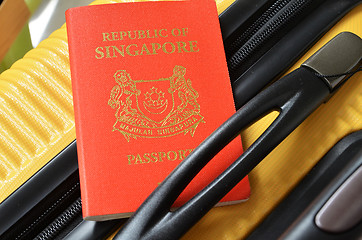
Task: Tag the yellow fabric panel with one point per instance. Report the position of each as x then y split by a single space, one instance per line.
36 111
36 122
223 4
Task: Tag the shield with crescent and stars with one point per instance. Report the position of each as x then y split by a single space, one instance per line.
155 100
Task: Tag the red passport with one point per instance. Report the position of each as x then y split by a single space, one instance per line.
150 83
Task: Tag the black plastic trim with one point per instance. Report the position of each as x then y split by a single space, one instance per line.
238 14
287 51
335 166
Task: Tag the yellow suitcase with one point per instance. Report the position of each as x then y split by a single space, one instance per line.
37 122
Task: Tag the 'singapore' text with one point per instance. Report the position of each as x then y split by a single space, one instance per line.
176 43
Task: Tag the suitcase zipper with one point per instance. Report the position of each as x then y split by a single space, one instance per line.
282 14
48 205
61 221
57 212
255 26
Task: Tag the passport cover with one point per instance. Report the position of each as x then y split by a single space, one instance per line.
150 82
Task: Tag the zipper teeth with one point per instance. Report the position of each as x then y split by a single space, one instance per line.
270 28
262 20
60 222
31 226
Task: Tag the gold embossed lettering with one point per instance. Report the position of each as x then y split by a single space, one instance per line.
138 159
155 47
108 55
130 159
183 153
149 35
185 31
166 49
171 155
181 47
141 34
147 157
106 37
122 35
154 156
161 155
99 51
176 32
193 46
130 35
145 49
134 53
115 36
120 51
158 157
163 33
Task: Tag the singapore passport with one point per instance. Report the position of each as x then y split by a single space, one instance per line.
150 83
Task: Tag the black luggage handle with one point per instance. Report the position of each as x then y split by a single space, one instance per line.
295 96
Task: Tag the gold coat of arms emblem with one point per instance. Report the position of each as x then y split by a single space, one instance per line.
155 108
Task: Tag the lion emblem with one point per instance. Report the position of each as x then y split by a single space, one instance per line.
154 108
